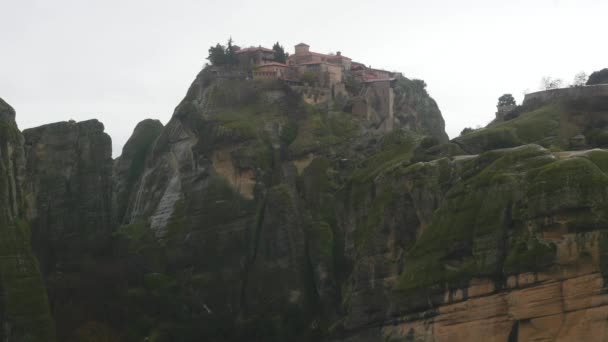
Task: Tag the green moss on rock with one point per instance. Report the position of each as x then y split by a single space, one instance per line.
530 127
529 255
317 130
24 302
569 183
479 212
396 149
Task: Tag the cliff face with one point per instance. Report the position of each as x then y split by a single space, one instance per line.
513 250
129 167
240 187
400 103
300 222
24 309
68 189
258 214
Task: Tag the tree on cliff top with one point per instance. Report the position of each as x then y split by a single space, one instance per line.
506 100
548 83
279 53
223 55
598 77
230 53
217 55
579 79
419 86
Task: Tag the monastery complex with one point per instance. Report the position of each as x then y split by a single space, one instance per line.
321 79
326 70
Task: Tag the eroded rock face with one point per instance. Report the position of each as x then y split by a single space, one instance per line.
397 104
511 248
254 215
24 309
359 231
566 305
241 186
68 194
131 163
68 190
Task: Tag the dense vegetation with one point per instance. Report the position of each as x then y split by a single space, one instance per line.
598 77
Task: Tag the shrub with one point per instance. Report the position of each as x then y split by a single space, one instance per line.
598 77
309 78
467 130
506 100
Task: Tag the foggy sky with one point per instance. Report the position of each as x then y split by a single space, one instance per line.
124 61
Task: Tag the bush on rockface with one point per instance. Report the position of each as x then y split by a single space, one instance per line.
466 130
309 78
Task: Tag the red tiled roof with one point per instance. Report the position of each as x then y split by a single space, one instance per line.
377 80
319 63
339 57
322 55
303 44
381 70
254 49
311 63
307 53
310 53
273 64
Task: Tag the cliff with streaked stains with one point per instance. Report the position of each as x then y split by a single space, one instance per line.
257 214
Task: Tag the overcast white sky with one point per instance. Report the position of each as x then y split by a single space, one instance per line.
123 61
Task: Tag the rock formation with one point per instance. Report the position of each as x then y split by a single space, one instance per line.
256 214
24 309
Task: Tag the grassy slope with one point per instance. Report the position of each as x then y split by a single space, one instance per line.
550 125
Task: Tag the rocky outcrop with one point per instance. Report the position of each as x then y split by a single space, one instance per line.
552 307
416 110
241 187
557 122
68 195
399 103
68 190
131 163
363 233
503 243
24 309
256 214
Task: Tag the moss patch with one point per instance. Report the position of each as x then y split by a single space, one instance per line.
319 130
396 148
25 304
469 234
531 127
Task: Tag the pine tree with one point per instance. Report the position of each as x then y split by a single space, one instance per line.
230 53
279 53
